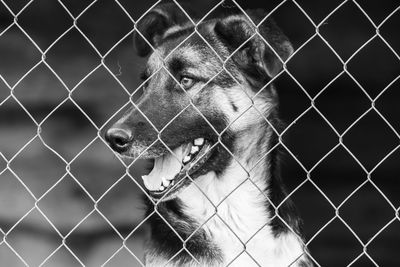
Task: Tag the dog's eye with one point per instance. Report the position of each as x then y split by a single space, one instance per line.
187 82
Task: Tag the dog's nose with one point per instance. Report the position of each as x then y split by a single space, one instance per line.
119 139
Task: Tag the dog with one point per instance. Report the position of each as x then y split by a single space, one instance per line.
208 118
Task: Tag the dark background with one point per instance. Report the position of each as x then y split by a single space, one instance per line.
360 106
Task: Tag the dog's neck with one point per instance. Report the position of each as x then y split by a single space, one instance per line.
232 212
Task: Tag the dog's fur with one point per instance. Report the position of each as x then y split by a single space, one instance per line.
226 215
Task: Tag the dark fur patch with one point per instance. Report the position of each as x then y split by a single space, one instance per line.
234 107
224 80
155 23
166 243
252 54
287 211
176 66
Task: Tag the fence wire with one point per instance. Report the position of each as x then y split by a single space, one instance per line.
100 128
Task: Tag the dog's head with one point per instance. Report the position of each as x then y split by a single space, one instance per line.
201 92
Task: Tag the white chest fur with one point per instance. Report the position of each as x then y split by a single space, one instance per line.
233 212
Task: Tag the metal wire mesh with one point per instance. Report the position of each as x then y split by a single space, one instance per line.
368 172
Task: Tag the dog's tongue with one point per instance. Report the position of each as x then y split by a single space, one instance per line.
165 168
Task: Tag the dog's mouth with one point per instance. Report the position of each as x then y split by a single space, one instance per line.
170 170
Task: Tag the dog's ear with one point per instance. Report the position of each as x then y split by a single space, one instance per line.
255 53
154 24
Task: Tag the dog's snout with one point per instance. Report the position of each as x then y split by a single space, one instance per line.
119 139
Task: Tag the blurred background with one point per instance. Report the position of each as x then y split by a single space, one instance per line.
96 204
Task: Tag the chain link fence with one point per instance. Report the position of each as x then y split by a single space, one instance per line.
67 199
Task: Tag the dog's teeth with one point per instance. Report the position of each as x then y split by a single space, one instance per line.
170 178
162 188
144 177
165 182
186 159
199 141
194 149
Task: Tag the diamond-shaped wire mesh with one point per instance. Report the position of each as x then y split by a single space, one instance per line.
68 70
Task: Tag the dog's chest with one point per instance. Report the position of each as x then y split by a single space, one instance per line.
237 222
239 247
